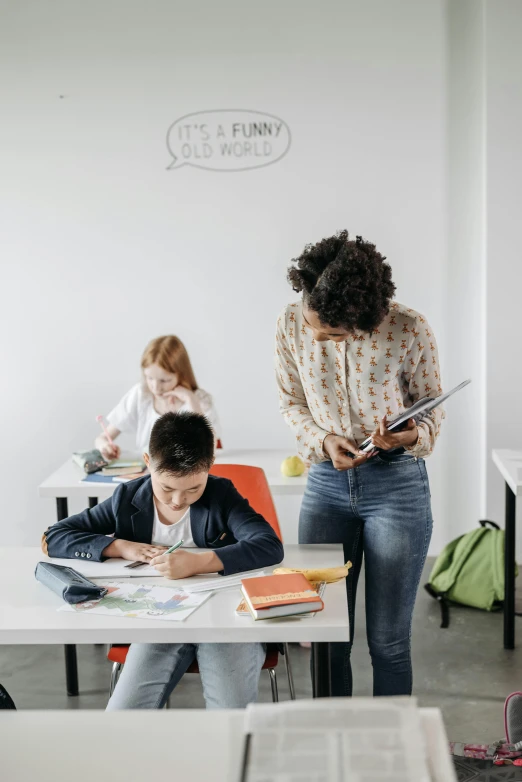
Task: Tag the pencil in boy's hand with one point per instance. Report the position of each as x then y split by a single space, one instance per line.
174 547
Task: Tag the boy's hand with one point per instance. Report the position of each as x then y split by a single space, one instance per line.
135 552
183 563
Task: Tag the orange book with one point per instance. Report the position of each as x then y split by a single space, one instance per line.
282 595
244 610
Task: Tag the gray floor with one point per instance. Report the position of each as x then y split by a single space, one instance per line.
464 670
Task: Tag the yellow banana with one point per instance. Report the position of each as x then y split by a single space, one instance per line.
328 574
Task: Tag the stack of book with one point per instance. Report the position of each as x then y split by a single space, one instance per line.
124 467
272 596
118 471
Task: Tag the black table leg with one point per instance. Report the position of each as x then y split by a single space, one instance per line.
92 502
62 509
71 669
509 570
71 663
321 670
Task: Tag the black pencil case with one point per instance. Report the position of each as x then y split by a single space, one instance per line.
90 461
68 583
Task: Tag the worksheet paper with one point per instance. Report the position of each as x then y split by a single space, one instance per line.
115 568
110 568
335 740
195 584
142 601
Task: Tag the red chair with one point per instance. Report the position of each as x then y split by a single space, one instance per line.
251 483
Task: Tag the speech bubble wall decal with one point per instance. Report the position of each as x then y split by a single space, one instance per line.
227 140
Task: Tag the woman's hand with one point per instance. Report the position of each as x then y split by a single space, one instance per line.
183 563
136 552
385 440
339 449
108 450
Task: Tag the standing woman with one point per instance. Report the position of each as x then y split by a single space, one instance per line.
168 385
347 358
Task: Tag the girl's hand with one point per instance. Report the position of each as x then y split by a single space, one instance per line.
185 395
386 440
108 451
169 402
182 395
129 549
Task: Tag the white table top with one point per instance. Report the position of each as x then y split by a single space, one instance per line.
108 746
509 464
28 610
66 481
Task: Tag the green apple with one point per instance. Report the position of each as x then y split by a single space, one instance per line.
292 467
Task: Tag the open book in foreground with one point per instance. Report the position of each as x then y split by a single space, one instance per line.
338 740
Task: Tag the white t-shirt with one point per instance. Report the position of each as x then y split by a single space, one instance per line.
135 414
169 534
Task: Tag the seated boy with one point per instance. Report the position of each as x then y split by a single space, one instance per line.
179 500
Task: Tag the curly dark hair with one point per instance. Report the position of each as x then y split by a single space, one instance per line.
347 283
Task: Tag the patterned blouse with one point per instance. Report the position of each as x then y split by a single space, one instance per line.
345 388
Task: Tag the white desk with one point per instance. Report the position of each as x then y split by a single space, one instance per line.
28 613
66 481
66 745
509 464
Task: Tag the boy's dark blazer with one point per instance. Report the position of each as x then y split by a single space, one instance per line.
221 519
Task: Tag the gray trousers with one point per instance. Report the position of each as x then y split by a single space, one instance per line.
229 674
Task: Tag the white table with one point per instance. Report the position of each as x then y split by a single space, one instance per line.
108 746
509 464
66 481
28 613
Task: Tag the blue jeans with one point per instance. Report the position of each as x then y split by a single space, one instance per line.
382 510
229 673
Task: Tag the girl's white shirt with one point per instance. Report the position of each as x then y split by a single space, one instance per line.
135 414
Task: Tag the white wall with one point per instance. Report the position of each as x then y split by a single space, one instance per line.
103 248
485 278
504 198
466 304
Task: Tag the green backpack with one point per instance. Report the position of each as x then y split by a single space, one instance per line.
470 571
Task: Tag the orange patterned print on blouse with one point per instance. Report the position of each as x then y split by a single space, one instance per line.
344 388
